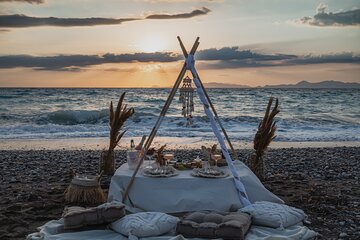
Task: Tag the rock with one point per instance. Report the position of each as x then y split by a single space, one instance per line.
13 180
342 235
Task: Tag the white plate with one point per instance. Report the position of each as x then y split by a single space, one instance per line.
197 172
148 173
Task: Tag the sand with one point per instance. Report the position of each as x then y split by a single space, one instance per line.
172 143
324 182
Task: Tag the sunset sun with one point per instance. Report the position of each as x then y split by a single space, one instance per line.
152 44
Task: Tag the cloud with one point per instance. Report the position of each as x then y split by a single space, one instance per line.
22 21
324 19
234 53
279 60
224 58
177 1
194 13
27 1
76 62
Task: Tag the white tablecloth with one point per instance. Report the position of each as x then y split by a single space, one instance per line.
185 193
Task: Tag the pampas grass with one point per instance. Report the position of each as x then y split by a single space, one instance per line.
117 120
264 136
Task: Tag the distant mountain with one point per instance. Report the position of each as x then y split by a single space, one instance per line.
323 84
224 85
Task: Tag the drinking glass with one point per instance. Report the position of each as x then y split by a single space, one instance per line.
216 158
168 157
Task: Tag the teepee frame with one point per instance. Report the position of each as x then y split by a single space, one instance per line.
189 64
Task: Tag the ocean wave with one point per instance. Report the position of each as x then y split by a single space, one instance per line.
306 115
244 132
74 117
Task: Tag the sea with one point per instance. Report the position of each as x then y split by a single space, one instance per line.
305 114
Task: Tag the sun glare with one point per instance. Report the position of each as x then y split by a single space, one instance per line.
152 44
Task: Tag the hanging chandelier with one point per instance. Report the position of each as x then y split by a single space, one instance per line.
187 99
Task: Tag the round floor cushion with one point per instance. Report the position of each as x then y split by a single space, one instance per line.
145 224
211 224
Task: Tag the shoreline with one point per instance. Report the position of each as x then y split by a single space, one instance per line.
100 143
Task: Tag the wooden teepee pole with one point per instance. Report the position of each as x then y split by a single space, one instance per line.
159 120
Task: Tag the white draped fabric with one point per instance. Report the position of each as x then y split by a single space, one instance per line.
190 64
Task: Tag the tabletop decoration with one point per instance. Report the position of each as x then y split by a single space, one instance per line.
160 168
160 156
209 152
188 164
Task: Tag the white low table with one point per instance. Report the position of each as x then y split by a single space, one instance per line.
185 193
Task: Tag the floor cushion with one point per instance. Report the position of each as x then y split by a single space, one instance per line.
76 217
274 215
213 224
145 224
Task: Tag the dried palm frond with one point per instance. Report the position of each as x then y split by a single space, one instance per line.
263 137
117 120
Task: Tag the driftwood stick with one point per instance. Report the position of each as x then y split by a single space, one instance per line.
182 47
158 122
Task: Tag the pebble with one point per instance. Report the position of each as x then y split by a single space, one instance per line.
342 235
322 182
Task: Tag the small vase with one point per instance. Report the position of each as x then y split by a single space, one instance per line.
107 162
133 159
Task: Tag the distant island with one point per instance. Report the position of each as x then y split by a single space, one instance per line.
302 84
323 84
224 85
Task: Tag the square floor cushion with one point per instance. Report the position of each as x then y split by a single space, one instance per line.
77 217
274 215
145 224
213 224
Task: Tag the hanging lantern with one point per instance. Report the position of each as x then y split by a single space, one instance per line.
187 99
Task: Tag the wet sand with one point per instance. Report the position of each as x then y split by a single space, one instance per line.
172 143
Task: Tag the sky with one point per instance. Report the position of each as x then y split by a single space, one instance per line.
132 43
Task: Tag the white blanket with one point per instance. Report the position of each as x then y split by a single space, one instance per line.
54 230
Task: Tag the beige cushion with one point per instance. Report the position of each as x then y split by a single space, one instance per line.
145 224
274 215
76 217
210 224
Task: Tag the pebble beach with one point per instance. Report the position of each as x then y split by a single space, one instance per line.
324 182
